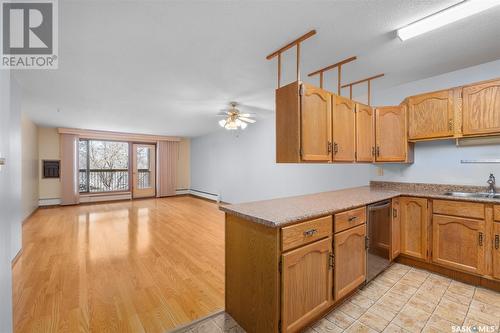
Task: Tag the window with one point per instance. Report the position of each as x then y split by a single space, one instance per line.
104 166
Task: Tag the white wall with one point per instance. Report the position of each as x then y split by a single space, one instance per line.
29 149
243 168
10 192
439 161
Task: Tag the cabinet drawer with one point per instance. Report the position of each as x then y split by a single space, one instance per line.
349 219
305 232
497 213
458 208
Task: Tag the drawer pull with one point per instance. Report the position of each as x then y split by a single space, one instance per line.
497 242
310 232
480 239
353 218
394 213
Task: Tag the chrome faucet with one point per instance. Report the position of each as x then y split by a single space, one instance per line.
491 184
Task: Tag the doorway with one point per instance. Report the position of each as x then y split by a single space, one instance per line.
143 170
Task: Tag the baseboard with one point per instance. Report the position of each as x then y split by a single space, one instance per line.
49 202
206 195
182 191
108 197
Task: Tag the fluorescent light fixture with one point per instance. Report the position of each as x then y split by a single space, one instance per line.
446 16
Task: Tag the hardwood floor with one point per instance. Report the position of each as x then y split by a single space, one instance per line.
136 266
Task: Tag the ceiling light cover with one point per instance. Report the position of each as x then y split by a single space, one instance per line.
449 15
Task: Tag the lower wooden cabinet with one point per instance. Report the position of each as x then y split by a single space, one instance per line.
414 227
395 233
458 243
306 278
350 260
496 250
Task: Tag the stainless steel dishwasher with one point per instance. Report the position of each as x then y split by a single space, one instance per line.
379 237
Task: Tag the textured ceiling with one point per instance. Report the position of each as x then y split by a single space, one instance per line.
167 67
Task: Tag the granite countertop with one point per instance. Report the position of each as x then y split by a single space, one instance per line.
277 213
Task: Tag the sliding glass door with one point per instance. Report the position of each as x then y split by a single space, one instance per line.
143 170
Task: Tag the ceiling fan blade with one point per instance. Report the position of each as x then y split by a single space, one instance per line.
248 120
256 109
247 115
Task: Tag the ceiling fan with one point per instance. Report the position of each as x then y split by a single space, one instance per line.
234 119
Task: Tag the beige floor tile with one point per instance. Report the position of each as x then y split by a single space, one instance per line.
383 280
351 309
485 313
491 328
374 290
423 302
391 328
461 289
236 329
451 311
435 291
465 300
414 278
326 326
438 280
404 289
383 311
438 324
411 318
487 296
374 321
362 301
340 319
393 301
358 327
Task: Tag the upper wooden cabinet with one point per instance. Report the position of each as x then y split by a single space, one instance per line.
365 136
431 115
306 284
414 226
481 108
344 129
350 260
391 135
303 124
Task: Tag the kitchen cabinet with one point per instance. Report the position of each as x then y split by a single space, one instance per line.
391 135
414 227
365 136
303 124
481 108
306 284
395 247
344 129
458 243
496 250
431 115
350 260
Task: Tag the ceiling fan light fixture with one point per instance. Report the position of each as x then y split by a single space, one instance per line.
222 122
243 125
446 16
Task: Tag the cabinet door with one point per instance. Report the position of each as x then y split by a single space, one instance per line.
458 243
481 108
350 260
395 229
414 227
306 284
430 115
365 148
316 124
496 250
344 129
390 134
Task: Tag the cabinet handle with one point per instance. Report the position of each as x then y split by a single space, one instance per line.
352 218
497 242
331 261
450 124
335 148
373 150
329 146
480 239
394 213
377 153
310 232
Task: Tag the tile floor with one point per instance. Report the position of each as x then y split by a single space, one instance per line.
402 299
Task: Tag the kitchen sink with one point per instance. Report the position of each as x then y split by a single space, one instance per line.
473 195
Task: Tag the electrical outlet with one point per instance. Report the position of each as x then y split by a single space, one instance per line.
380 171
